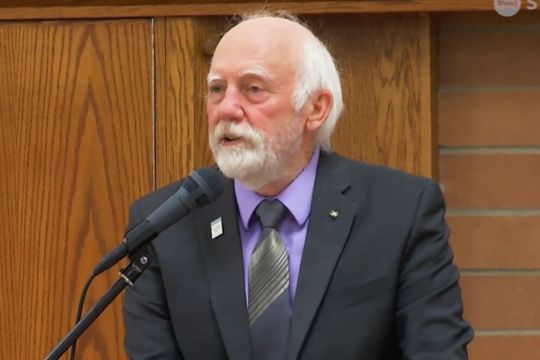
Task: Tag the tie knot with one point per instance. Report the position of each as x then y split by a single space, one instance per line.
271 213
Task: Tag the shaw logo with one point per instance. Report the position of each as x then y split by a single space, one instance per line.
509 8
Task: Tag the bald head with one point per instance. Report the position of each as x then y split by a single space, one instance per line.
264 42
268 28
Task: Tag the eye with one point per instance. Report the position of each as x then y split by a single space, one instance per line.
254 88
216 89
256 92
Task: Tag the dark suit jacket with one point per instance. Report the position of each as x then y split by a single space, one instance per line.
375 283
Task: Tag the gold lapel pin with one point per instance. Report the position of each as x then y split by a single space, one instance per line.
333 214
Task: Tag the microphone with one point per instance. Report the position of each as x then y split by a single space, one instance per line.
200 188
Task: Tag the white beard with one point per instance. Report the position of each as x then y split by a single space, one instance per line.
258 160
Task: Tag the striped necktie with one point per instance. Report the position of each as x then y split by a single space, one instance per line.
269 312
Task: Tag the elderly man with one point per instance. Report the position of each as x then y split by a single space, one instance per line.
319 257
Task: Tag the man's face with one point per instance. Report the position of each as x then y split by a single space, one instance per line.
253 127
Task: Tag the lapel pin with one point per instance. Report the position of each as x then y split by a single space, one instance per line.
216 228
333 214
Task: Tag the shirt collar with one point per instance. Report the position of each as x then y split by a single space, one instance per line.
296 196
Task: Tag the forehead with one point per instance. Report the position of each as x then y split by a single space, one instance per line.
261 48
261 60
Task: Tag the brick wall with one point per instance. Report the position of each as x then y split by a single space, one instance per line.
489 165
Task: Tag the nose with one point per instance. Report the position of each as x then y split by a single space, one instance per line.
230 108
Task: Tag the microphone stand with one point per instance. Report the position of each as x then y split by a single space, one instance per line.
128 276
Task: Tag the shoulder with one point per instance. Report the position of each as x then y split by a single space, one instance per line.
375 187
377 176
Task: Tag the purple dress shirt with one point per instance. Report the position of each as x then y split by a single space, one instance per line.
297 198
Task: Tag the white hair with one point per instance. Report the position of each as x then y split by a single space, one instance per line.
319 72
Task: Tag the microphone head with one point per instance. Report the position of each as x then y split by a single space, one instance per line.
204 186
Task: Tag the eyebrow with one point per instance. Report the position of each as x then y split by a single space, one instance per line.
256 71
253 71
212 76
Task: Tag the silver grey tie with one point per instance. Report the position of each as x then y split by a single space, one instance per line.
268 286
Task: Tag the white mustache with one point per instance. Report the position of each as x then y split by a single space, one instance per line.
237 130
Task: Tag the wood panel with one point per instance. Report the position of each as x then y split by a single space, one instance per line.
449 4
76 148
34 9
183 54
388 91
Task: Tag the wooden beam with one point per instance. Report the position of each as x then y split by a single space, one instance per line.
8 12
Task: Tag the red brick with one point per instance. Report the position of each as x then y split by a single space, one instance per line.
489 58
491 180
489 119
502 302
495 242
505 348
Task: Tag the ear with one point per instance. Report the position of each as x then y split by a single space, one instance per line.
321 103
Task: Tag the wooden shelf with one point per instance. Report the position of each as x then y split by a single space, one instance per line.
64 9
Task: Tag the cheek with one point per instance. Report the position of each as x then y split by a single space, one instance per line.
279 119
271 116
256 118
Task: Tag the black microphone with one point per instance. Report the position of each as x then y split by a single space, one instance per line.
200 188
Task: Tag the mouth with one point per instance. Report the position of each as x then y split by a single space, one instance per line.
231 140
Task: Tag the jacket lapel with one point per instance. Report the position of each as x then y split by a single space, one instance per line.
331 218
222 259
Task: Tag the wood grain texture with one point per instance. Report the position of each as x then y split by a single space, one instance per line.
182 63
75 149
449 4
120 8
386 64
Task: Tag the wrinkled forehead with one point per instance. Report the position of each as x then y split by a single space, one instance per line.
267 46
